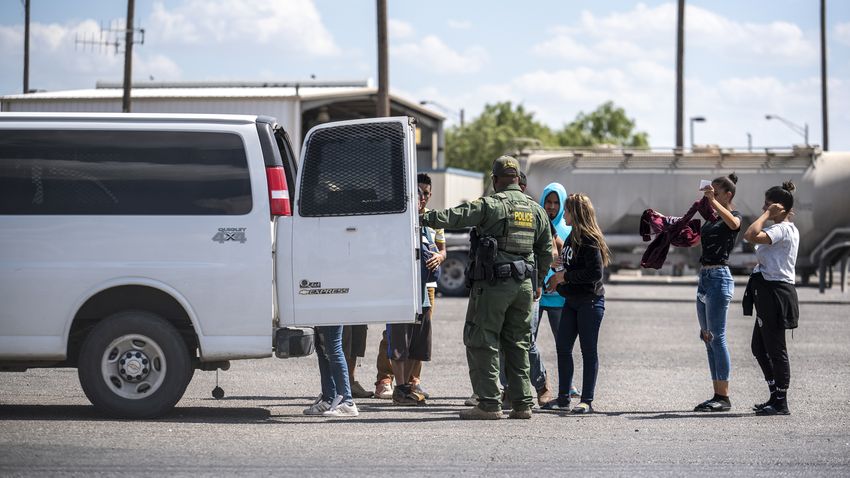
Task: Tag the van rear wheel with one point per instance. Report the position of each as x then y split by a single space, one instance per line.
452 280
134 364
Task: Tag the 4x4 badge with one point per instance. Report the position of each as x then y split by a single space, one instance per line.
225 234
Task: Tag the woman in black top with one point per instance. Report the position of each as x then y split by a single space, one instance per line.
579 280
716 287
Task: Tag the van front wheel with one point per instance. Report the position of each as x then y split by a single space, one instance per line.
134 364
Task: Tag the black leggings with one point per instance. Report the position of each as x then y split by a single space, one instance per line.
769 348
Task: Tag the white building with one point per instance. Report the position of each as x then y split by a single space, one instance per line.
298 106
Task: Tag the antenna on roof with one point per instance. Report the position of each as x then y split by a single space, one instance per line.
108 38
111 37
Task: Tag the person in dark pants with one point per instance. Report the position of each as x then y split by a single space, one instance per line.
580 283
771 290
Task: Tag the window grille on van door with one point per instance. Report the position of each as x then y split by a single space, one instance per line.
354 170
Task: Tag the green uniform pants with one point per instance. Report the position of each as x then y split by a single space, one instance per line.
499 317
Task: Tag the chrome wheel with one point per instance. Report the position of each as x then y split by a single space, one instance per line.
133 366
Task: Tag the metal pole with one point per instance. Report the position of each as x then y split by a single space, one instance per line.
26 46
692 133
823 77
128 56
383 108
680 69
749 142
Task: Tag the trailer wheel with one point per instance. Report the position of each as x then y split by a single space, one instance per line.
453 276
134 364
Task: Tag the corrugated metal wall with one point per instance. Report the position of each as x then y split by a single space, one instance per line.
285 110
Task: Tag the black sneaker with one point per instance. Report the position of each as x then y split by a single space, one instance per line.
406 397
556 405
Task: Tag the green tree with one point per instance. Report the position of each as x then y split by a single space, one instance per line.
504 128
608 124
501 128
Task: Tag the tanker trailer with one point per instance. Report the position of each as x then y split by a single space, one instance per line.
622 183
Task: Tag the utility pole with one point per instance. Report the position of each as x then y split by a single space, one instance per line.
128 56
680 75
383 62
26 46
823 77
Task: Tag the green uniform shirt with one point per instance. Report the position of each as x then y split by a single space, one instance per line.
487 214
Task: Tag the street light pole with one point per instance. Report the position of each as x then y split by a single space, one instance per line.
698 119
823 77
801 130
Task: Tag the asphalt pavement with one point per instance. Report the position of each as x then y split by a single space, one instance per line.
653 371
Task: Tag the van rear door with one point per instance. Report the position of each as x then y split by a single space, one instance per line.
348 254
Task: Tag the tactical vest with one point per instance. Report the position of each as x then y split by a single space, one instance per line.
518 230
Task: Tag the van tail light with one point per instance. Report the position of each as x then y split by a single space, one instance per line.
278 192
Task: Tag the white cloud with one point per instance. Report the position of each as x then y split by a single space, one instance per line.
294 25
842 33
57 61
459 24
649 33
565 47
432 54
399 29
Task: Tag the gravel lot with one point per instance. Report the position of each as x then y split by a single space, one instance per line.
653 371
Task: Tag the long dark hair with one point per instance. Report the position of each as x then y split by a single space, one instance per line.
584 224
781 195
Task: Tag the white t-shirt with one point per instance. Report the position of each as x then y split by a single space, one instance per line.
777 260
425 241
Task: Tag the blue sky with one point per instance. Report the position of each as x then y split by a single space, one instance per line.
743 59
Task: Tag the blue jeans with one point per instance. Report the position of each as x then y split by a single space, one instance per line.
714 293
538 371
332 366
580 319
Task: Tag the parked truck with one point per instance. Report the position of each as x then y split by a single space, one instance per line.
141 247
624 182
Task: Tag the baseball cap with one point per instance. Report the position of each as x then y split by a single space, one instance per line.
505 166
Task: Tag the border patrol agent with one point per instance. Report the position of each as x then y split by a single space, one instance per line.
510 230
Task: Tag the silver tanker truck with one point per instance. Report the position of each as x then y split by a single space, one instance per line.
624 182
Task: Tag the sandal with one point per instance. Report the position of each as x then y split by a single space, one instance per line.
713 406
583 408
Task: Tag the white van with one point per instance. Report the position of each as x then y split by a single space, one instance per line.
138 248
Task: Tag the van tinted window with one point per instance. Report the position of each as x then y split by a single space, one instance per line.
123 172
354 170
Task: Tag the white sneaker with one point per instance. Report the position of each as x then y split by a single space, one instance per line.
318 407
384 391
341 409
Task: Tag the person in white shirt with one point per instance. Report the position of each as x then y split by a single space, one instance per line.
771 290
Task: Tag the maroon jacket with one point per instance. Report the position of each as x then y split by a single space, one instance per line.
670 230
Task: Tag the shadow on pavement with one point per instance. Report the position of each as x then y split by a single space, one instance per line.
259 397
669 414
178 415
